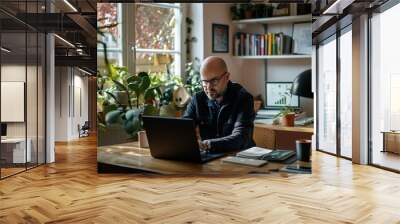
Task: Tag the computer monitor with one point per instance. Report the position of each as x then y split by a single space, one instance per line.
278 95
3 129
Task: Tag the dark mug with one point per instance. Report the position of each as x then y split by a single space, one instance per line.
303 150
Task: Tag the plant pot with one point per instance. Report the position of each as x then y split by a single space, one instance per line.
112 134
142 138
178 114
122 97
288 120
248 14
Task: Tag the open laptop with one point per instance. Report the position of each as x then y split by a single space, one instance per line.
175 139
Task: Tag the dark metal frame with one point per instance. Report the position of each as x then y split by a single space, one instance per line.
336 38
226 28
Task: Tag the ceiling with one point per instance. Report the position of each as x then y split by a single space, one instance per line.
332 15
74 22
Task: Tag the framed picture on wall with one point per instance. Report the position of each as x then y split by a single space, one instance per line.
302 38
220 38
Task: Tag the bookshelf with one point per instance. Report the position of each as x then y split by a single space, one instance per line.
281 20
289 56
281 66
275 20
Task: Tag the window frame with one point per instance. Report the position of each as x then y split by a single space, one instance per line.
128 49
129 55
118 50
333 37
379 10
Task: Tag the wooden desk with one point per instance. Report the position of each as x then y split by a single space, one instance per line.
391 141
130 156
280 137
13 150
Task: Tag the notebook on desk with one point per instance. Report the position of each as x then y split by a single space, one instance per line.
254 153
266 154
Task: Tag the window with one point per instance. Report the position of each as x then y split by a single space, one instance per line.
346 93
326 105
153 41
385 87
157 40
109 14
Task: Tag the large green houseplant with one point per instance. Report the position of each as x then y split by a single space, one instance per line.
134 95
123 98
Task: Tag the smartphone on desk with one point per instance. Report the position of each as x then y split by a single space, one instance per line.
299 167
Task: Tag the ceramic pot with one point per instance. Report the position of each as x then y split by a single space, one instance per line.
288 120
142 138
248 14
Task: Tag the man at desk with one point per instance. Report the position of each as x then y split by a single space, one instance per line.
223 111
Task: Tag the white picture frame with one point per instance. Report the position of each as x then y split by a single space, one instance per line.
12 101
302 38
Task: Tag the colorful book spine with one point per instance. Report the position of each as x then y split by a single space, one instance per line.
262 44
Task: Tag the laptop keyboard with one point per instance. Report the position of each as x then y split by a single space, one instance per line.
208 156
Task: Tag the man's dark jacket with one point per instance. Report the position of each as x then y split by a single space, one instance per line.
230 126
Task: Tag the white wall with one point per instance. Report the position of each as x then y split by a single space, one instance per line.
249 73
69 82
203 16
33 126
219 13
195 11
61 103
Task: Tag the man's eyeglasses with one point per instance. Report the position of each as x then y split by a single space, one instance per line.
214 81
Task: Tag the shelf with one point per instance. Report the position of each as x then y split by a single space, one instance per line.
278 19
294 56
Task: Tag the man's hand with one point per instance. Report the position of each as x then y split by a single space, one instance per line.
204 145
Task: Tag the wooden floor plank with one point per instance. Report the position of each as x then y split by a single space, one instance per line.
71 191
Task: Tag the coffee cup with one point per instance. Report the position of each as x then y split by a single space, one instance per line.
303 150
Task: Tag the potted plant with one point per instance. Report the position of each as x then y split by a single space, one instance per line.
141 96
247 10
287 115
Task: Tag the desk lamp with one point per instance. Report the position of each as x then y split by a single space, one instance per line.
302 85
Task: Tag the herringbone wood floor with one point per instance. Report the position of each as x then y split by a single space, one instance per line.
70 191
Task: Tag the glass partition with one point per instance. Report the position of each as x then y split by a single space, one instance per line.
41 96
13 94
22 101
31 98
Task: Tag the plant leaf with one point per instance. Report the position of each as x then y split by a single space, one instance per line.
144 83
132 114
132 126
113 96
150 110
113 116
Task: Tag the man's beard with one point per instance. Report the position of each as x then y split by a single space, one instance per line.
213 95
